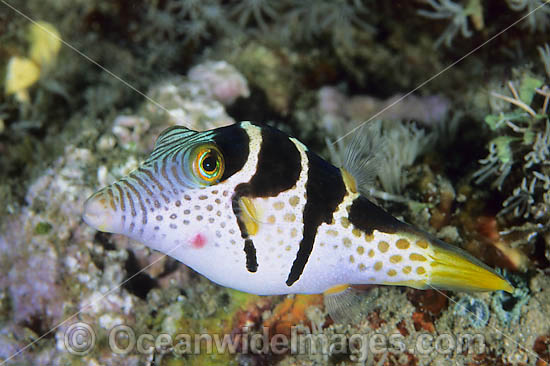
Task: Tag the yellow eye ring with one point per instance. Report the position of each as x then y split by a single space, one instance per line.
208 163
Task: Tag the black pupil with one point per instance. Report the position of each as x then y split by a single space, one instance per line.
209 163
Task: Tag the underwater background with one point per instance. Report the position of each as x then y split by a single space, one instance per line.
457 89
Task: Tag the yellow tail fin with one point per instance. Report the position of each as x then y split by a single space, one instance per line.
453 269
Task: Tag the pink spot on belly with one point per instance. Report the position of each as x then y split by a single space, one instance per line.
198 241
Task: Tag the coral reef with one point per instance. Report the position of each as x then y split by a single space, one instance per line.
536 11
464 157
521 144
508 307
474 309
447 9
78 276
220 80
197 101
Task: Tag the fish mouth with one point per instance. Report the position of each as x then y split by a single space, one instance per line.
99 213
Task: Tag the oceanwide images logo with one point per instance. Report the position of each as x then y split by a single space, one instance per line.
80 340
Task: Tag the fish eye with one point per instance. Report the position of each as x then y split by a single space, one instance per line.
208 164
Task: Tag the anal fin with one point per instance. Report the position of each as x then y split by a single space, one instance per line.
346 304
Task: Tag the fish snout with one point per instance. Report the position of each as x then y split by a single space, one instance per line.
101 213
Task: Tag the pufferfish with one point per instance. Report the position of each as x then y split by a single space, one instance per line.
254 209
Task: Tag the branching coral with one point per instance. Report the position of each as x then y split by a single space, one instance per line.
498 163
524 143
521 200
394 142
261 12
338 19
295 20
537 13
447 9
191 19
404 143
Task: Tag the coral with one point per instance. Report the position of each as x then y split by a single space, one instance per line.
331 102
194 21
45 42
290 312
209 309
537 13
508 307
49 273
498 162
258 11
423 321
391 141
267 69
197 101
523 144
128 130
429 304
337 20
521 200
432 302
220 80
290 20
404 143
53 265
447 9
71 269
474 309
508 254
21 74
440 193
400 143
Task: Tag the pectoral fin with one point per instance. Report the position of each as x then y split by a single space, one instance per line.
249 215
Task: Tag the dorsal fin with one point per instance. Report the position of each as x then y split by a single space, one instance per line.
362 156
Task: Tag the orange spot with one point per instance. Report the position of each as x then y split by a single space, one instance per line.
402 244
291 312
422 244
417 257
